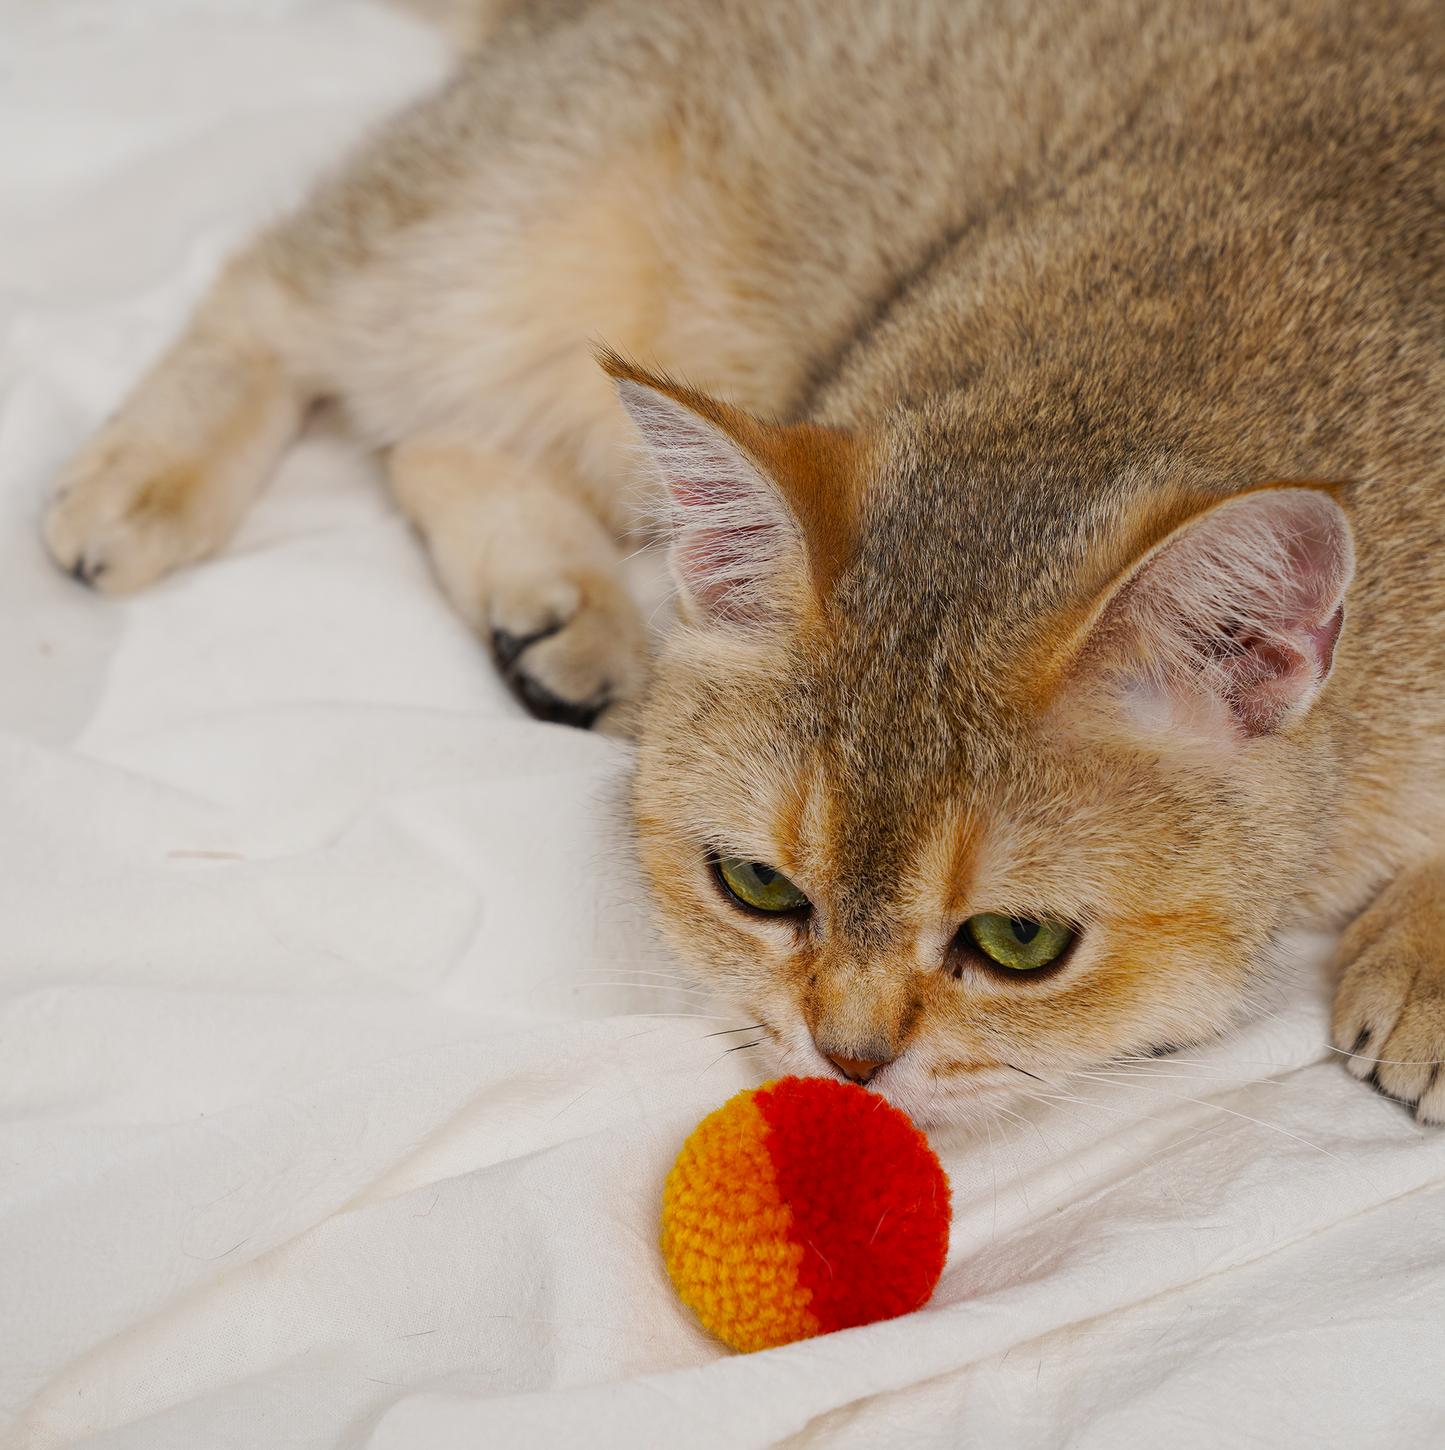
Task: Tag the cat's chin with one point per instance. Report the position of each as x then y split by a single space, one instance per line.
961 1099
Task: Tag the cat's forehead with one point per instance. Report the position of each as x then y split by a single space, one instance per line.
968 531
923 681
977 557
918 665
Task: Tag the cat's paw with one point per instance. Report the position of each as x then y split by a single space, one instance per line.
530 566
1389 1017
573 648
125 512
166 481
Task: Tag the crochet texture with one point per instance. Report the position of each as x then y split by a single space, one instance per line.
801 1207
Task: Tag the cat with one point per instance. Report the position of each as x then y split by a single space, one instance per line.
1053 494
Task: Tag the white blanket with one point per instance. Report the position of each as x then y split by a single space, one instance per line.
329 1116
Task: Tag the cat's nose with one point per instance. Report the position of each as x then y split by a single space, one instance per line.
859 1069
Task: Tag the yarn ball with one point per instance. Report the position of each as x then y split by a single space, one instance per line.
801 1207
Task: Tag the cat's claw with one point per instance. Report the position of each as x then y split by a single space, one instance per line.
1389 1017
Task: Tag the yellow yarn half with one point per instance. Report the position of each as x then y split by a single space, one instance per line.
727 1234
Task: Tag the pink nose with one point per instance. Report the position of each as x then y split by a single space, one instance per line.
859 1069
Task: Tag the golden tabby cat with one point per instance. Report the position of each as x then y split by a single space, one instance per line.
1078 628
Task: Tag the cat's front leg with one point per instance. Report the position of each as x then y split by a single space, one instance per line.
1389 1016
529 566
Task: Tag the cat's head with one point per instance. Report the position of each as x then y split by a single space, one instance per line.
965 765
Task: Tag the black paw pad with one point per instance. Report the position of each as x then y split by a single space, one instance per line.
509 649
87 570
547 706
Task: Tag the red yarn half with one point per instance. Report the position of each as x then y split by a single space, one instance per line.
868 1195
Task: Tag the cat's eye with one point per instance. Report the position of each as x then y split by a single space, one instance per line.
1017 942
759 886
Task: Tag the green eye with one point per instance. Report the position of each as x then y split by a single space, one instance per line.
1016 942
759 886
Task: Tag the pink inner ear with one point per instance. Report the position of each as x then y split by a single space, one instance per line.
719 567
732 535
1268 676
1246 602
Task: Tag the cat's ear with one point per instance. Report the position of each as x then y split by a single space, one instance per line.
1227 626
736 550
760 515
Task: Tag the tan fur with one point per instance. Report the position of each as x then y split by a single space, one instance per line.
1022 336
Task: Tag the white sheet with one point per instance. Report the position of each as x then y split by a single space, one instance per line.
325 1115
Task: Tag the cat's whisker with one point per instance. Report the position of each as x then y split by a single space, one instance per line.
652 983
1131 1076
1187 1131
614 972
1051 1151
669 1004
1384 1061
1056 1103
1146 1084
644 983
993 1171
1258 1122
998 1113
679 1017
619 966
1204 1070
1024 1121
722 1057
